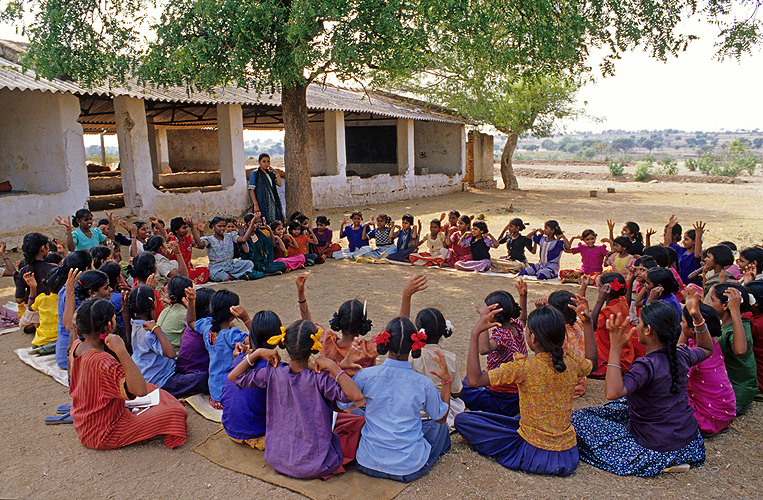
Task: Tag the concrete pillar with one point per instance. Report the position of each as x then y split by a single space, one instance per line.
334 136
230 137
464 151
163 149
134 153
153 148
406 151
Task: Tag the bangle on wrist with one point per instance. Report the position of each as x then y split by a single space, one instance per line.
154 328
697 325
339 374
614 366
248 361
444 382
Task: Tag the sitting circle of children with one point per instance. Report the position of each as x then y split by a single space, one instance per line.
676 333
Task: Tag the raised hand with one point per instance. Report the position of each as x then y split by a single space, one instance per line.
656 292
240 313
64 221
300 281
692 300
190 294
442 367
174 246
417 283
673 221
164 296
620 330
110 217
734 298
585 281
115 343
238 349
30 279
323 364
124 224
151 281
650 232
149 325
71 280
200 226
350 361
699 228
610 224
521 286
543 301
604 291
580 305
487 317
188 220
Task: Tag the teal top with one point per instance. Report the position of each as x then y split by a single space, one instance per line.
82 242
742 369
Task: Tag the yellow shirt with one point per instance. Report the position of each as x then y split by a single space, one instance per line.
545 397
47 305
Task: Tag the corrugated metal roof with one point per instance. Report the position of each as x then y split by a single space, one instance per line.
319 97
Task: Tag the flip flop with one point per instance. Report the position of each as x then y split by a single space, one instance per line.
66 418
63 409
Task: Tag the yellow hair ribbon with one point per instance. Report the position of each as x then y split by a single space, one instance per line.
277 339
317 346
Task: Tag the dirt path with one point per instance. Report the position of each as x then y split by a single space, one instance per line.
41 461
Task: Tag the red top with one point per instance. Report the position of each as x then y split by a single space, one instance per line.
756 327
186 248
301 249
509 342
618 305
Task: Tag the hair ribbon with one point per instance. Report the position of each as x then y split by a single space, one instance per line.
382 338
616 285
317 346
417 338
277 339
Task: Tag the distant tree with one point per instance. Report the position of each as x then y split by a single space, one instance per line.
691 142
623 144
648 144
532 147
550 145
757 142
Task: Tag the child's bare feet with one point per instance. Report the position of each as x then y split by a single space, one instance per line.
215 404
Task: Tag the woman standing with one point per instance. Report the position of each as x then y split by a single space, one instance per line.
263 190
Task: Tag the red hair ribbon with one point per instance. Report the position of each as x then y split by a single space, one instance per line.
417 340
382 338
616 285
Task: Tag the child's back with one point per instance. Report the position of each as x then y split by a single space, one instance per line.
299 441
243 408
220 348
193 355
47 305
148 354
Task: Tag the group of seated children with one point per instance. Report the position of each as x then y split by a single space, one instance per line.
676 332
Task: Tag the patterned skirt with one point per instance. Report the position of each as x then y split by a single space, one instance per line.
605 442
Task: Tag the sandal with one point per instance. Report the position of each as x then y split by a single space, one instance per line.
66 418
63 409
215 404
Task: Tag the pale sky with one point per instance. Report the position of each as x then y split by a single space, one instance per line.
691 92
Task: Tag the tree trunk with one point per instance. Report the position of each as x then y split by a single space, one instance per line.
507 169
299 188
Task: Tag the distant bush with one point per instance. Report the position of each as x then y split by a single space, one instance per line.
692 164
615 168
642 171
730 163
668 166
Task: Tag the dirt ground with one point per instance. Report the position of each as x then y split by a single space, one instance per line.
40 461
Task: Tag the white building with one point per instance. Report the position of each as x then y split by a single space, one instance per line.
182 152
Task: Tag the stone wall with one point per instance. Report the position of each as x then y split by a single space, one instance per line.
193 149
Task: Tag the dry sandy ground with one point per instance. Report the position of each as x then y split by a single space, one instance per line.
40 461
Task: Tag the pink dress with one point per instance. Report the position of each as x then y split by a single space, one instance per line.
293 262
710 393
457 252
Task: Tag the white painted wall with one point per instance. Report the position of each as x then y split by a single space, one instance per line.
41 151
438 146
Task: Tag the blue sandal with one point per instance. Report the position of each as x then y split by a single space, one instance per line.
66 418
63 409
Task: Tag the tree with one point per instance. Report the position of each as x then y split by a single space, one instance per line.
623 144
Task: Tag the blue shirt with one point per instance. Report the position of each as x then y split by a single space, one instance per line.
673 301
243 409
687 264
116 300
354 237
148 354
62 340
220 354
392 440
82 242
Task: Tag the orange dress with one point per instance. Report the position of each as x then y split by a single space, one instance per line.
574 343
98 389
618 305
337 353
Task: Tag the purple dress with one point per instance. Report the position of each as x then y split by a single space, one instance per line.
193 355
243 409
299 441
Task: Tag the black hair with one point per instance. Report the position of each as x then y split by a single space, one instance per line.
143 266
158 223
612 277
322 219
436 222
454 212
265 324
262 155
587 233
710 315
645 261
351 318
301 218
664 321
408 217
153 244
357 213
94 315
729 244
672 256
248 218
754 254
100 254
481 226
103 222
32 244
755 288
219 308
387 219
295 215
139 224
141 302
89 281
635 230
400 342
215 220
434 325
299 342
176 287
506 302
661 276
692 234
623 241
79 260
518 223
660 254
561 300
466 220
230 220
274 224
175 224
294 226
113 271
54 258
547 324
722 255
555 226
203 299
721 288
79 215
677 231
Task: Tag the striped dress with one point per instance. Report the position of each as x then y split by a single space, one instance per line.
101 420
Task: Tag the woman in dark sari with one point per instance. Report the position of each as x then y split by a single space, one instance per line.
263 190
